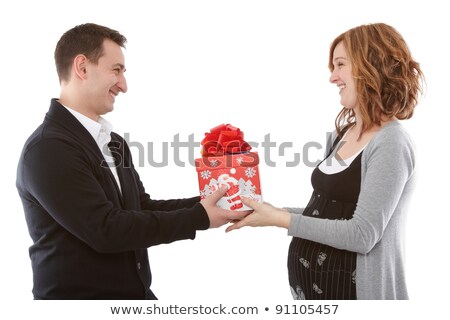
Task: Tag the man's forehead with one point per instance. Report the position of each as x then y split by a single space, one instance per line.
113 53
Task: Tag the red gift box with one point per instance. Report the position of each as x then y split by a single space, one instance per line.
227 160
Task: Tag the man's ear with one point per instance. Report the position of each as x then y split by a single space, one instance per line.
80 65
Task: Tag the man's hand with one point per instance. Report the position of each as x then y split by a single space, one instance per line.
218 216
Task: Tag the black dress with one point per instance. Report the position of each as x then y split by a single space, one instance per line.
318 271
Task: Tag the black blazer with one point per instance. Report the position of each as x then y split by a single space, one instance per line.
90 240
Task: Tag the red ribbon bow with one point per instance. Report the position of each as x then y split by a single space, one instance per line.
224 139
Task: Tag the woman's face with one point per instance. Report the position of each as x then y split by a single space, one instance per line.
343 78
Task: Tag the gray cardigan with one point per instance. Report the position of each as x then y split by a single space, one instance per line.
377 230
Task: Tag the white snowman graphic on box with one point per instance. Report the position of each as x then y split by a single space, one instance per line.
240 182
232 196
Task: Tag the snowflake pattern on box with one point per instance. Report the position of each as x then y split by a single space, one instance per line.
250 172
202 194
205 174
214 163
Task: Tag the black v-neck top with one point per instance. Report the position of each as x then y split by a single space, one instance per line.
318 271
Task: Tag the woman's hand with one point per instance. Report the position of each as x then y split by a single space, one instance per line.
263 215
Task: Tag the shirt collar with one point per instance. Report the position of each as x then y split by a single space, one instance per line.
93 127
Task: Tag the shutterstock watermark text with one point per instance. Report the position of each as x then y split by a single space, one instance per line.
182 152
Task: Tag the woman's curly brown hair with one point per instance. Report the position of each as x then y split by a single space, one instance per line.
388 80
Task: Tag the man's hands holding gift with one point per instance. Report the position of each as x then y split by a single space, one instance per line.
263 215
218 216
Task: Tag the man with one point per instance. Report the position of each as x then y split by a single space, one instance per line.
87 212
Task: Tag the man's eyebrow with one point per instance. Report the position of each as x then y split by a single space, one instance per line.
121 66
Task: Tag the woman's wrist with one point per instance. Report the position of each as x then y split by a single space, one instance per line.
283 218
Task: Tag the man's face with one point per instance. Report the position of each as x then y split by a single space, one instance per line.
106 79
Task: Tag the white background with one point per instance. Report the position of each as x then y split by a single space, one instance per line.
192 65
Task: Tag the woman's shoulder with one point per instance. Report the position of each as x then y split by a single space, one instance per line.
392 139
393 133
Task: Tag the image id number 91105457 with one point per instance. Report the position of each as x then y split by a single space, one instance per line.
306 309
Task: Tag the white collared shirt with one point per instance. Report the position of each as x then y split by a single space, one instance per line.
101 132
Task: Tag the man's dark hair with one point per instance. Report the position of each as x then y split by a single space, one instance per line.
86 39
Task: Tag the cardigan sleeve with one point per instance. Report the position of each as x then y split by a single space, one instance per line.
61 181
388 164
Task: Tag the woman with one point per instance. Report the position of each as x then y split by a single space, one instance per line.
348 243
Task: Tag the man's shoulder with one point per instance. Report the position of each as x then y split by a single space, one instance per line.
50 137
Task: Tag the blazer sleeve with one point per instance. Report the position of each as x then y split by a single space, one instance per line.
62 181
146 202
